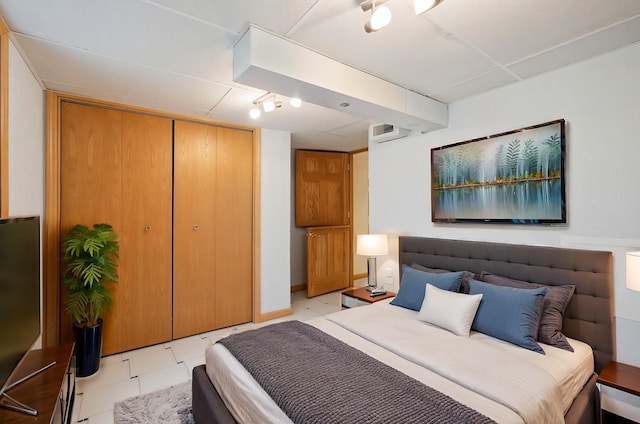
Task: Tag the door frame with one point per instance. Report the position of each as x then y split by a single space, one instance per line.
51 237
355 277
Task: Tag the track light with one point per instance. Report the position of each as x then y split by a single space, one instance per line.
380 15
269 103
421 6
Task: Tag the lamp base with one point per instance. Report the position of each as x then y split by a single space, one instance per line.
370 288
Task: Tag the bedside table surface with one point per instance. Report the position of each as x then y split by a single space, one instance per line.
622 377
361 293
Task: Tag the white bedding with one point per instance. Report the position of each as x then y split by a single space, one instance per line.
461 367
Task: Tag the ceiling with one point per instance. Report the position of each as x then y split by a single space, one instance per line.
177 55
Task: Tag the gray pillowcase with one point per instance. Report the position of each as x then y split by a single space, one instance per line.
464 286
555 303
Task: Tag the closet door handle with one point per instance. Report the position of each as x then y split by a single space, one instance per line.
196 227
147 228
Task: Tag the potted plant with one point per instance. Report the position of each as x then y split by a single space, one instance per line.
90 255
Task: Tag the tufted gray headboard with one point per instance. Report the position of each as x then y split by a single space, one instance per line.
589 315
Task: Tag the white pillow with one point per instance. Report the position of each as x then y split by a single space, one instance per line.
452 311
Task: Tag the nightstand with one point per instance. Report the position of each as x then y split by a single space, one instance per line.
622 377
359 297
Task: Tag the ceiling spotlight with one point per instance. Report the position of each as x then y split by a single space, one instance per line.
254 113
295 102
269 105
380 15
421 6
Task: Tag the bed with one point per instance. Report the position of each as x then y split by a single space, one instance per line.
453 370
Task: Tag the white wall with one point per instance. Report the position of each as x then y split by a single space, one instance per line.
275 209
26 143
26 139
599 99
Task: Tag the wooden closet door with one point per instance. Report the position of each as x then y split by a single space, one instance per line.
142 302
90 177
234 222
194 241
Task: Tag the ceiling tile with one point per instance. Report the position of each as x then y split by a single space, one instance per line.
276 15
474 86
118 78
512 30
590 46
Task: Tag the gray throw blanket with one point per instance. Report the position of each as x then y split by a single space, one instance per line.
316 378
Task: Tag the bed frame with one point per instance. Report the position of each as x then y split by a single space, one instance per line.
588 316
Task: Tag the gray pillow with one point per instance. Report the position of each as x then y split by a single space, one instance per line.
555 303
464 286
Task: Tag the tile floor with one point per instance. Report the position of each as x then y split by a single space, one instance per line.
152 368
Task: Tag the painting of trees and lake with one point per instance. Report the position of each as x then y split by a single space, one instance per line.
513 177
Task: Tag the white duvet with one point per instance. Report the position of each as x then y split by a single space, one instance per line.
504 382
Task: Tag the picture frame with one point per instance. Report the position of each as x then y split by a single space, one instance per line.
515 177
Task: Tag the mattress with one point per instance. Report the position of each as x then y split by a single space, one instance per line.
393 336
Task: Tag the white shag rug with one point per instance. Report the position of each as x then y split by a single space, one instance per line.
168 406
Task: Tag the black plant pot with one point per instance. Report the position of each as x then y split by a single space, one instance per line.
88 349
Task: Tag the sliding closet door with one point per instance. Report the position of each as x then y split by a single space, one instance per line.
116 169
143 297
213 227
194 240
234 219
90 176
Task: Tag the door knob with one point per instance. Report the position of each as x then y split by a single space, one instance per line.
147 228
196 227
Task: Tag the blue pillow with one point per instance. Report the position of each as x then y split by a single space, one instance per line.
412 286
509 314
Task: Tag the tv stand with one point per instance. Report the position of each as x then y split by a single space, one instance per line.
50 393
16 405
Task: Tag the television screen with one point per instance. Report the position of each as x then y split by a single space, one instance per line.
516 177
19 291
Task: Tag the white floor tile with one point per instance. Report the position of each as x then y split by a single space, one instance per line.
108 373
142 352
162 378
104 418
188 348
152 361
111 359
305 314
217 334
191 363
97 400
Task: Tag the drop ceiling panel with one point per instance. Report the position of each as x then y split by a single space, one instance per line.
134 31
118 78
593 45
410 52
276 15
512 30
474 86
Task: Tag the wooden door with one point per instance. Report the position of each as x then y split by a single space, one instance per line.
90 178
328 264
194 241
142 312
213 227
234 224
322 188
116 168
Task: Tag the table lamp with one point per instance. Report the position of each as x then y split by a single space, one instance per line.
372 245
633 271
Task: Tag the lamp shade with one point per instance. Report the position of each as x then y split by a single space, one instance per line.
372 244
633 270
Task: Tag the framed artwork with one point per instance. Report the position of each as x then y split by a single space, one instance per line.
516 177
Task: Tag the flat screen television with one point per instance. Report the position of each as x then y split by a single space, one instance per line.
19 291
